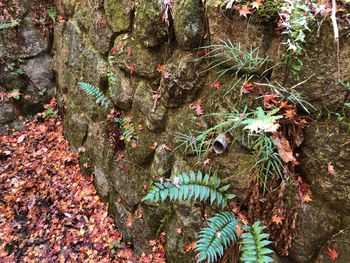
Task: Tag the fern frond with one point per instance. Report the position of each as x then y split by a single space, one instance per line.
9 24
219 234
95 93
190 187
254 243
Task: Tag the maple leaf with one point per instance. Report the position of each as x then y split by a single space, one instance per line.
247 87
189 246
307 198
331 169
332 254
176 181
206 162
179 230
216 85
113 50
239 230
129 221
199 110
166 75
244 10
290 114
160 68
277 219
154 146
256 4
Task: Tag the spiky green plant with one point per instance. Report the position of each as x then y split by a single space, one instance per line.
52 12
194 186
127 130
95 93
215 238
254 244
9 24
229 58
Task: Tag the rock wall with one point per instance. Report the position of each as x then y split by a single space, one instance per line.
25 60
157 98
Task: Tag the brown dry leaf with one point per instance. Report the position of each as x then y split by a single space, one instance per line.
290 114
189 246
298 136
154 146
244 10
284 149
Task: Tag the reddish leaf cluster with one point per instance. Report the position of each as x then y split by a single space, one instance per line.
48 211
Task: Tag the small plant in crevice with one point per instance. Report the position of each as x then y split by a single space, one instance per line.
10 24
242 65
95 93
111 76
52 12
296 17
128 131
222 227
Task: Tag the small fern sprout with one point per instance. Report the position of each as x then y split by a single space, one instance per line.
215 238
95 93
254 243
194 186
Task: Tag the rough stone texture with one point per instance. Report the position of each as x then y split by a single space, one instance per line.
318 224
25 64
162 163
341 243
76 129
188 218
322 146
119 14
148 24
184 80
122 91
188 23
323 90
143 102
130 54
101 183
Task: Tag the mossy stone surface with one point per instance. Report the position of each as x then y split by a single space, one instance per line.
119 14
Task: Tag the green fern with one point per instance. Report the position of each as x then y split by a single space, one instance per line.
190 187
217 237
254 243
127 130
52 12
9 24
95 92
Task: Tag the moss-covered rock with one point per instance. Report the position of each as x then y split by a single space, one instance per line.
322 146
188 23
76 129
145 105
148 24
134 58
162 163
95 23
122 91
119 14
183 81
7 110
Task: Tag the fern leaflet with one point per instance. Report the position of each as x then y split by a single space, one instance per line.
254 243
95 93
190 187
217 237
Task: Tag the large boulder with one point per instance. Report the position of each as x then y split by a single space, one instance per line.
119 14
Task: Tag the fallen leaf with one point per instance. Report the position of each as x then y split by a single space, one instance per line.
244 10
160 68
307 198
189 246
216 85
247 87
206 162
332 254
331 169
21 138
284 149
277 219
176 181
132 68
256 4
179 230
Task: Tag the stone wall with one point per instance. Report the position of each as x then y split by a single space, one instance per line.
133 32
25 61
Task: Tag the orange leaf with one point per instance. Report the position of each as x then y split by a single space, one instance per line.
332 254
244 10
277 219
189 246
161 68
307 198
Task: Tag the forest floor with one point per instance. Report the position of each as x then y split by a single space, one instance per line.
50 212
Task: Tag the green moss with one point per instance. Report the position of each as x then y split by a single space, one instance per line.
268 11
119 15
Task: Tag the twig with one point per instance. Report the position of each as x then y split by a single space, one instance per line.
336 33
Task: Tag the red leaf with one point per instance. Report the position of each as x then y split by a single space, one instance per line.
199 110
332 254
132 68
247 87
216 85
161 68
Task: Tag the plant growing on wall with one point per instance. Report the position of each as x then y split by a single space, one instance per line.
222 227
95 93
